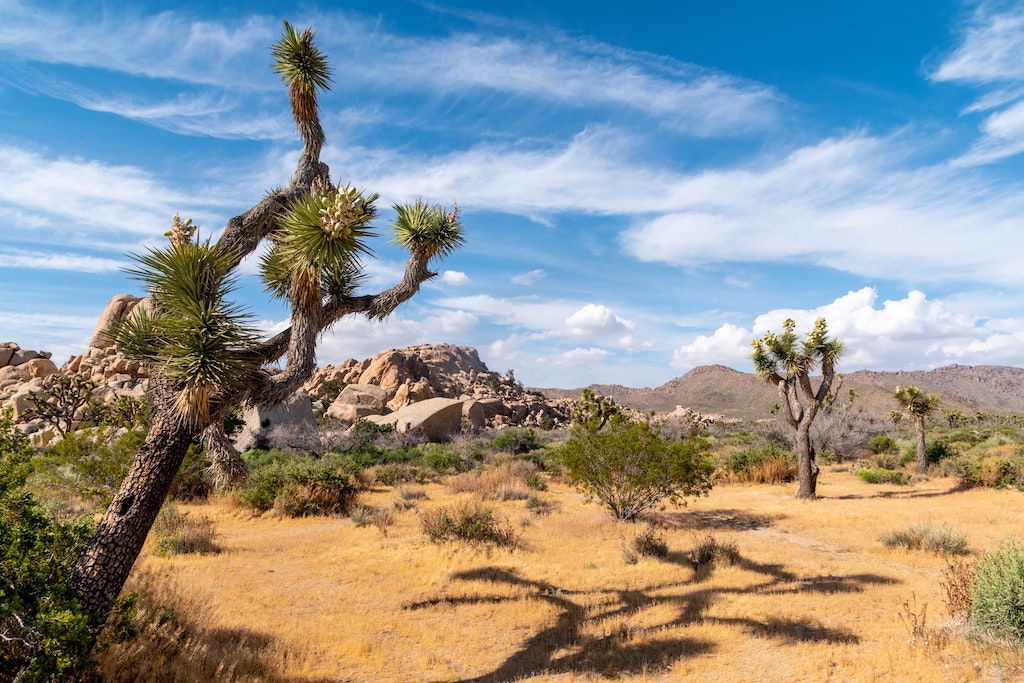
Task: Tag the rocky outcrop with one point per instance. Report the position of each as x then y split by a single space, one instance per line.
416 374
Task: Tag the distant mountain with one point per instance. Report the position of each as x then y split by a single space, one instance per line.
718 390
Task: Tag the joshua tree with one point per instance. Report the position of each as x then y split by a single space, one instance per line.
787 362
205 357
918 405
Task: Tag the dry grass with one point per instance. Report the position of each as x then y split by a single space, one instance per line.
809 593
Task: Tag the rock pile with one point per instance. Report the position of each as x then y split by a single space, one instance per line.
22 373
396 379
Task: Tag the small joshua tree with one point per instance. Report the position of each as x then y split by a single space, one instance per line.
918 405
592 412
63 400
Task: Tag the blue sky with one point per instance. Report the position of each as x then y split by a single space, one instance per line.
645 187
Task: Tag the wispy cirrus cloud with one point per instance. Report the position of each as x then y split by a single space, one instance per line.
73 262
988 58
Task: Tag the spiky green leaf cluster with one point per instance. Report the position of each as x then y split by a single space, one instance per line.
915 401
318 245
304 67
785 354
430 230
189 333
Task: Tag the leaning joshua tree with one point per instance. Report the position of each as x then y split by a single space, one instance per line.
917 404
199 347
787 362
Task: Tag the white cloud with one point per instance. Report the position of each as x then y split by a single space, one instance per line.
848 204
528 278
728 345
595 320
909 333
78 263
581 357
455 278
990 51
83 201
989 57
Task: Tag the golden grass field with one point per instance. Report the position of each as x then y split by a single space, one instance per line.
814 596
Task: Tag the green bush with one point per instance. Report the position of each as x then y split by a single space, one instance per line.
87 465
472 523
650 542
880 475
934 451
997 597
882 443
630 468
46 634
296 485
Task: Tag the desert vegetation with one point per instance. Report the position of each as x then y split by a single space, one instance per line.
483 559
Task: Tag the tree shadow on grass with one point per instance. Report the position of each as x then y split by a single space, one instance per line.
569 645
723 519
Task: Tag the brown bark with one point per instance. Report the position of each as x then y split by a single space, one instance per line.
102 569
922 451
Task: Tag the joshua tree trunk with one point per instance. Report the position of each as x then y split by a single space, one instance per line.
922 451
807 467
104 566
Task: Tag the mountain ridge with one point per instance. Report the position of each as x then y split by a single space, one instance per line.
719 390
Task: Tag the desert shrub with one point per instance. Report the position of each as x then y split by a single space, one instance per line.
87 465
882 443
516 440
1001 472
538 505
180 533
367 515
45 634
296 486
630 468
395 474
473 523
440 458
935 451
708 552
945 539
770 463
958 581
880 475
649 543
504 480
997 598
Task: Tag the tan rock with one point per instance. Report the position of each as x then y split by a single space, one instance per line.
118 308
434 419
41 367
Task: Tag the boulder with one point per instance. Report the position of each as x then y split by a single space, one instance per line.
41 367
6 352
474 414
433 420
118 308
358 400
288 427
